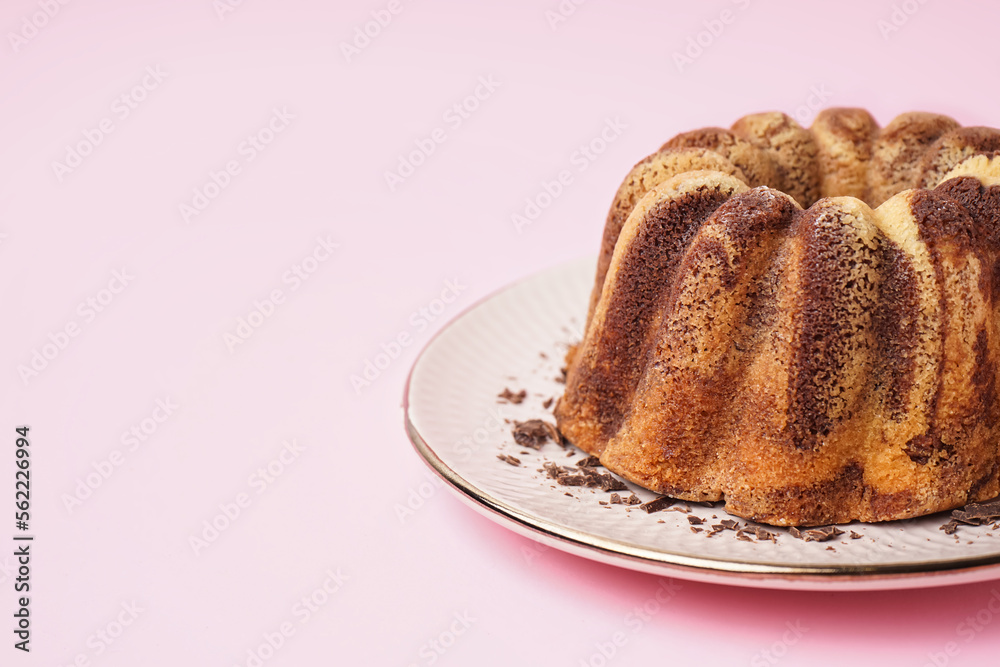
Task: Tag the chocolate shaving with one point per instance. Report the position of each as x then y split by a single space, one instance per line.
661 503
740 535
695 521
973 514
589 462
729 524
513 460
821 534
534 433
696 529
794 532
763 534
512 397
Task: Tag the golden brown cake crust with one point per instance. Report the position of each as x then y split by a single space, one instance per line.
809 366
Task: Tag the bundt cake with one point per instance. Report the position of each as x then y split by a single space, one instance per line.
803 323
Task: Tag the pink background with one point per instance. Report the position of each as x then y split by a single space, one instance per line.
163 335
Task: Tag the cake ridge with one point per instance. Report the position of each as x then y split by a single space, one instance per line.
804 355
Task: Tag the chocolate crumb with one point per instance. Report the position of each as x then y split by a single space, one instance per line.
547 403
682 510
513 460
855 536
763 534
831 549
543 355
661 503
696 529
569 494
615 499
602 502
695 521
973 514
512 397
821 534
534 433
633 500
660 521
569 454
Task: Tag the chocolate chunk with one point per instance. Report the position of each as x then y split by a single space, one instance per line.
950 527
608 482
729 524
572 480
632 500
821 534
794 532
589 462
976 514
615 499
661 503
513 460
695 521
973 514
762 534
534 433
512 397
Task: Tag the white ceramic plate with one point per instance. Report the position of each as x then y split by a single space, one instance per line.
517 339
